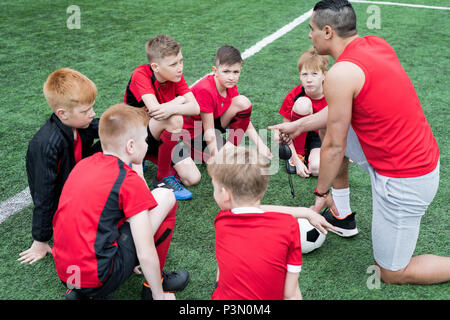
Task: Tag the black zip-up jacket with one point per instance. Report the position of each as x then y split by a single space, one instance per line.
49 160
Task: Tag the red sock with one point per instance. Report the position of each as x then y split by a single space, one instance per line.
165 155
163 236
299 142
239 125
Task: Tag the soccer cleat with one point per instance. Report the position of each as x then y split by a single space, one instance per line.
346 227
171 282
170 182
175 280
71 294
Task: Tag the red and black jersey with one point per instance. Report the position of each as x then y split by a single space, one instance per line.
293 95
209 100
99 195
143 81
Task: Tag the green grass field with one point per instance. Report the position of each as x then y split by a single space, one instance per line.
110 44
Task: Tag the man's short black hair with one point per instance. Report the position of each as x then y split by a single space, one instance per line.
338 14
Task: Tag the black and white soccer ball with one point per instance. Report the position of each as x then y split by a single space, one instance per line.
310 237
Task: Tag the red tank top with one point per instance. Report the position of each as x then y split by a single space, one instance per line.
387 116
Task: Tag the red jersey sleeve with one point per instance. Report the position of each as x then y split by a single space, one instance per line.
204 98
181 87
135 196
141 83
295 249
288 104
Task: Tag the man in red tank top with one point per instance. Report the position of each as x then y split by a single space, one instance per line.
379 123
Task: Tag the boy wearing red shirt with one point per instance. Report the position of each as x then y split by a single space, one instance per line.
160 87
221 107
303 100
257 247
108 221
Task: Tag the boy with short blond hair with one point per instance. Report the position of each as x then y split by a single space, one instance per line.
66 138
159 86
108 221
303 100
258 248
221 108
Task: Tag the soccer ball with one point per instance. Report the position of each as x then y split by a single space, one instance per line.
310 237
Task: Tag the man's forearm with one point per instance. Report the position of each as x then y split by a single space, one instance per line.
330 162
314 121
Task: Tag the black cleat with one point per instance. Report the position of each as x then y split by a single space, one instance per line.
171 282
346 227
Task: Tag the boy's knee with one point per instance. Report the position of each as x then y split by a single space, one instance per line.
314 169
192 179
241 102
303 106
164 195
175 123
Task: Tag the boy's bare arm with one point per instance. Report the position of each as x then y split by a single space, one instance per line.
141 230
317 220
260 145
291 287
181 105
209 133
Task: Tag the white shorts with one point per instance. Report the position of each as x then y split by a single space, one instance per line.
398 205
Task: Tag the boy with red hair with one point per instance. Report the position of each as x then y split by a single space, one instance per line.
108 221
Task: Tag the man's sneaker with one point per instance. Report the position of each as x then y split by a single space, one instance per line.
170 182
171 282
346 227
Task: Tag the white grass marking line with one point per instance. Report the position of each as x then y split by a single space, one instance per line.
269 39
23 198
401 4
14 204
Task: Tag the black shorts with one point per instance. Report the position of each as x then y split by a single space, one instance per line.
125 260
197 146
312 141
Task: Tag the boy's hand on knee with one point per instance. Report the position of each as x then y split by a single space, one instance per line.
302 170
37 251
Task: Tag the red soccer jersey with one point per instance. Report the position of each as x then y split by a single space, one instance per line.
254 250
100 193
143 81
386 115
286 111
209 100
291 97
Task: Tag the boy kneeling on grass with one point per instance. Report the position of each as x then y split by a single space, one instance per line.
108 221
258 248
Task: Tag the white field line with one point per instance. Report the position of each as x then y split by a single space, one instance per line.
401 4
23 198
269 39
